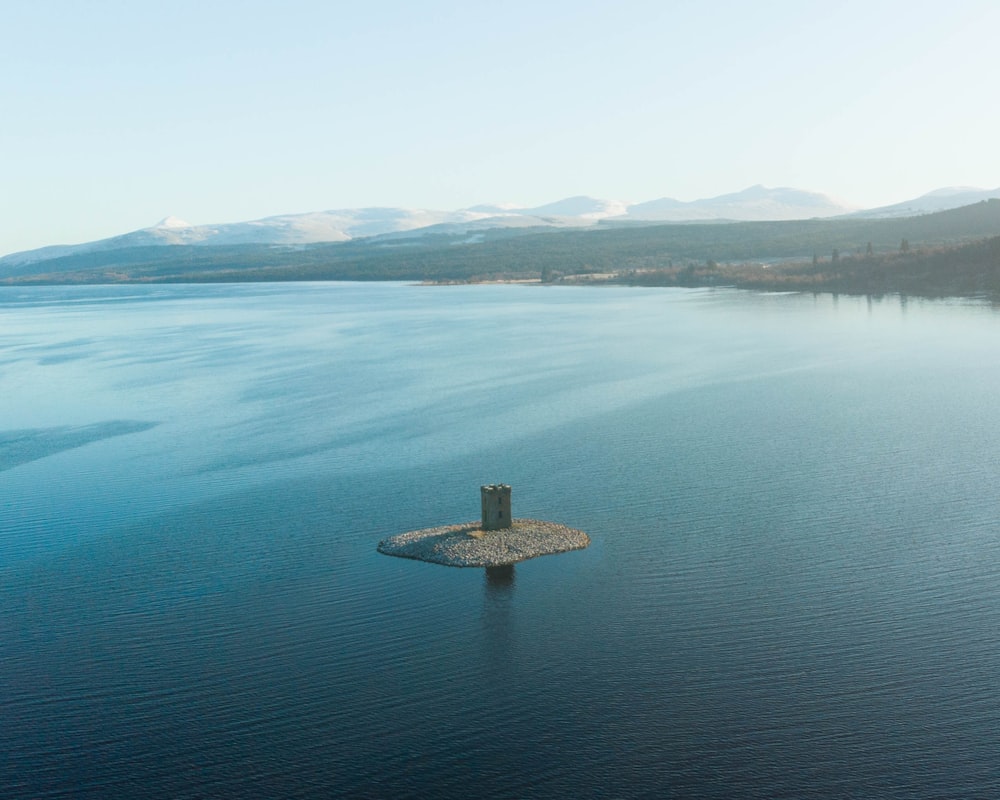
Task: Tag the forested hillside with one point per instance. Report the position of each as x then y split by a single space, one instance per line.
952 248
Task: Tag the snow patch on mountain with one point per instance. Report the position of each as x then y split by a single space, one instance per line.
172 222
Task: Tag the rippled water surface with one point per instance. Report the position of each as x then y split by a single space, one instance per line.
793 589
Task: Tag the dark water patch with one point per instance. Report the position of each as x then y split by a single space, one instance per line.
57 352
22 446
61 358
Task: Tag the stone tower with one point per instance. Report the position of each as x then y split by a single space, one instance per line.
496 506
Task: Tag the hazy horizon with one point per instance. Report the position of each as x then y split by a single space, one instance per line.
118 117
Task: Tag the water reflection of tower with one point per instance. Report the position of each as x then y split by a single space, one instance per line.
498 599
500 579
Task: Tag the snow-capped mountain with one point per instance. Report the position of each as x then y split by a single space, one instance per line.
318 226
581 206
754 203
287 229
938 200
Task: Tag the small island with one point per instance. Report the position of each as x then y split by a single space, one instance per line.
498 540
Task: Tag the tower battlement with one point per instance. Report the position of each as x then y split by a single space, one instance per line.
496 506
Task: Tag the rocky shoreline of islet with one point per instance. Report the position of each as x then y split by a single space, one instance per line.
468 545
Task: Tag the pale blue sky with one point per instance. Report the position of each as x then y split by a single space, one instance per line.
116 113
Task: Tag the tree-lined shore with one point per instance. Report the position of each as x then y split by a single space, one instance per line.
962 270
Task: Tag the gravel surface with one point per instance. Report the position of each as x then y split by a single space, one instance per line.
468 545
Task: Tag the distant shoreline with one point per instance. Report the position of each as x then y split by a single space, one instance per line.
480 282
954 253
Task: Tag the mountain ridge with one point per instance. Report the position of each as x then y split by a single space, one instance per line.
681 250
941 199
755 203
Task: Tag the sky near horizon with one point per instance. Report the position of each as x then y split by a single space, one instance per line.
117 113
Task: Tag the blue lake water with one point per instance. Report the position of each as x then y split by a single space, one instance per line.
793 589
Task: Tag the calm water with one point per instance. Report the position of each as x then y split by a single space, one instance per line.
793 589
